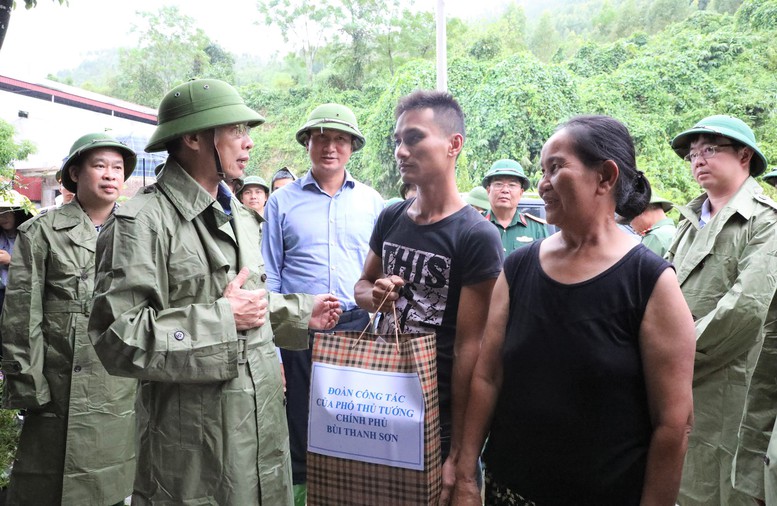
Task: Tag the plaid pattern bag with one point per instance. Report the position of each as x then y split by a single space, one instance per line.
339 481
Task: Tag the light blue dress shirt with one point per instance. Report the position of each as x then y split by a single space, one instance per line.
314 243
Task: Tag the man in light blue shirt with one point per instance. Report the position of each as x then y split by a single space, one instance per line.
316 240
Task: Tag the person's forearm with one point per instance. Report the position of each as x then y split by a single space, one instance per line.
663 471
363 295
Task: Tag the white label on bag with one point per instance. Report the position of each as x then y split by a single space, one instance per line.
371 416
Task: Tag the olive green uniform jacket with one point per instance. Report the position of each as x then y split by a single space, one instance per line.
659 237
77 443
727 274
524 229
211 419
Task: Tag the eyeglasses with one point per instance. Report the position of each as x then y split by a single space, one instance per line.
510 186
706 152
239 130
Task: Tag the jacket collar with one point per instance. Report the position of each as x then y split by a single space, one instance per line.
308 181
188 197
79 228
743 202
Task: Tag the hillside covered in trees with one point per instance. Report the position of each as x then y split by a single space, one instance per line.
659 66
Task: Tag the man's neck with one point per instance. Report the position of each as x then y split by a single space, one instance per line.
98 212
504 216
329 181
435 202
719 197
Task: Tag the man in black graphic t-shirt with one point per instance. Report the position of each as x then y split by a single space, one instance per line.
441 256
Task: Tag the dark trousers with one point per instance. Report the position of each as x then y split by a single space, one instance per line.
296 365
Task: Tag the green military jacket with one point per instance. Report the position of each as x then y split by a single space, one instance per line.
77 444
659 237
212 426
524 229
727 274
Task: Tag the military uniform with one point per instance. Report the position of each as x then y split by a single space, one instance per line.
659 237
77 444
524 229
212 426
727 274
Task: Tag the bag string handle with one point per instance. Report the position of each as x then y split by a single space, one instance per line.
372 319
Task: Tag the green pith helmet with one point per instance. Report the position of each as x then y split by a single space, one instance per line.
727 126
197 105
506 167
478 197
89 142
665 204
771 177
392 201
253 180
333 117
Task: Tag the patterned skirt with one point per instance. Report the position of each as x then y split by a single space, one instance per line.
499 495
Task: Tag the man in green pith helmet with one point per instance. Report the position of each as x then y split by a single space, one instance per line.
725 253
253 193
771 177
505 182
77 444
316 238
477 197
657 231
180 303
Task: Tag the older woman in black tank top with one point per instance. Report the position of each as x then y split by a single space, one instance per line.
584 375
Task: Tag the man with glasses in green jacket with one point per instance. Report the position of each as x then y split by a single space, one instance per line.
725 253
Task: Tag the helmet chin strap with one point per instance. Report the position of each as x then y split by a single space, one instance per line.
219 167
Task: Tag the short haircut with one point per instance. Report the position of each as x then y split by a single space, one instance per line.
447 112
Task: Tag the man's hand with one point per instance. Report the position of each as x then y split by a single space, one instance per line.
448 480
249 307
326 312
385 290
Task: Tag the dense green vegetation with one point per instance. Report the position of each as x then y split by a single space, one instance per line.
659 66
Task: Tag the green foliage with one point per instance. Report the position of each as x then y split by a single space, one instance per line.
9 438
758 14
171 50
657 65
11 151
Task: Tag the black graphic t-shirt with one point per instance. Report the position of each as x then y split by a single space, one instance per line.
435 261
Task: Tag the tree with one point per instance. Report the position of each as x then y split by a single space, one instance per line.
545 40
305 23
10 151
170 51
5 13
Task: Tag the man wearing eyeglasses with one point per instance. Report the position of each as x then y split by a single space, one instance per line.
725 253
505 182
181 304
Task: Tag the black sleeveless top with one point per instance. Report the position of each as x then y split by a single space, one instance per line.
572 425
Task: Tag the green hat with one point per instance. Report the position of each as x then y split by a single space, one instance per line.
770 175
333 117
506 167
253 180
478 197
727 126
88 142
665 204
392 201
197 105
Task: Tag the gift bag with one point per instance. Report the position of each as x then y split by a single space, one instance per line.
374 426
